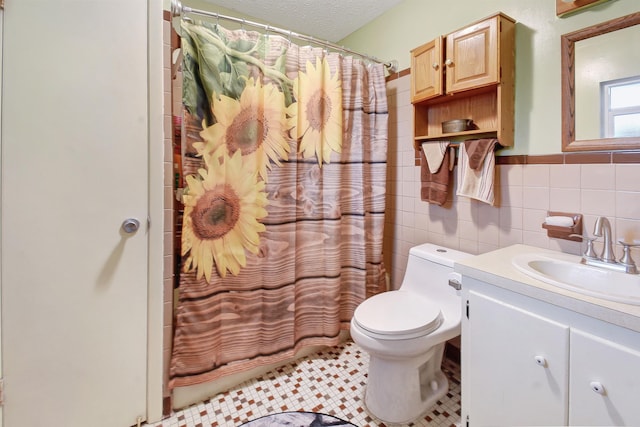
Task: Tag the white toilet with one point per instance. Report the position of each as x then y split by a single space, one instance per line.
405 332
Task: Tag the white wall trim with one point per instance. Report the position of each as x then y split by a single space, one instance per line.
156 211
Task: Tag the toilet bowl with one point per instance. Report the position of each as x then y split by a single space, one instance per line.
405 331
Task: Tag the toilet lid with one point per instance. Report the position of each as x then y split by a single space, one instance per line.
398 313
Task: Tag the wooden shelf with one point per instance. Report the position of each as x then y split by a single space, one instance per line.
458 136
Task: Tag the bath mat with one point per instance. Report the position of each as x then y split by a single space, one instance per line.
298 419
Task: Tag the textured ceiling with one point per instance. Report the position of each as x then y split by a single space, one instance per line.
330 20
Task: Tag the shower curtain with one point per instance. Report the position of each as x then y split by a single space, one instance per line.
285 163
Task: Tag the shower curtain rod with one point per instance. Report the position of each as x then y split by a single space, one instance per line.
177 9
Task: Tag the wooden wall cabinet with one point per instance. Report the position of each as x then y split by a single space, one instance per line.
467 74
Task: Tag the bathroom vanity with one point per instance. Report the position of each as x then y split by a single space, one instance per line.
538 354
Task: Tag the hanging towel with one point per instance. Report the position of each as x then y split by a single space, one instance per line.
434 186
476 170
434 151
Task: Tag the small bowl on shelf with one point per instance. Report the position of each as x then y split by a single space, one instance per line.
457 125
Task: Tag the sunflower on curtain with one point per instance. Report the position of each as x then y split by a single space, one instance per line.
285 166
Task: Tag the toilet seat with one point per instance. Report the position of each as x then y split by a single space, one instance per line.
397 315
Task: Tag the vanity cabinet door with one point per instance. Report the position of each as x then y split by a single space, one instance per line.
472 56
426 71
517 365
605 382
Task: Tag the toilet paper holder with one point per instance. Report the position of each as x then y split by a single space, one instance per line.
564 232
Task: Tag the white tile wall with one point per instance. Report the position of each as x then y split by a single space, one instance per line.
525 194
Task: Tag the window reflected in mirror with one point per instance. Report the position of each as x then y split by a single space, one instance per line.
620 111
601 86
605 71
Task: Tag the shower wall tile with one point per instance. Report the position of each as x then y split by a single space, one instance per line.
167 100
564 199
628 204
511 217
166 32
177 94
469 246
566 246
409 220
488 215
510 195
468 230
168 174
466 210
532 220
511 175
535 197
598 202
168 220
564 176
169 235
510 237
486 247
533 238
629 231
598 176
627 177
535 175
488 235
167 80
168 263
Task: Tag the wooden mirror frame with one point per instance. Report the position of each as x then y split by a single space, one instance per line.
569 143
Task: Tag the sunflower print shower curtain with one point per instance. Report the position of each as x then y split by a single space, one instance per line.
285 171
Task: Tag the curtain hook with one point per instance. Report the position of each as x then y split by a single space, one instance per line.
242 25
289 38
217 20
267 34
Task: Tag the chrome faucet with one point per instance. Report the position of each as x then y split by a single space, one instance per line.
607 259
603 229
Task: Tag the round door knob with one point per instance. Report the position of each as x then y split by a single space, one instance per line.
130 225
448 62
435 65
597 387
540 360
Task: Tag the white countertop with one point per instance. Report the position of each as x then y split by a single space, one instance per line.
495 268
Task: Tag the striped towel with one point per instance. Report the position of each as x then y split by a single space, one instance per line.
476 170
434 152
434 187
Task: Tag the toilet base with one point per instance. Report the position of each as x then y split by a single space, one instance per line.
399 390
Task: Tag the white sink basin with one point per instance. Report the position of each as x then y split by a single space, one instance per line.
584 279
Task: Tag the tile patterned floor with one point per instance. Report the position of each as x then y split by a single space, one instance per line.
331 382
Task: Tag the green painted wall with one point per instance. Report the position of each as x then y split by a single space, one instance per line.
538 31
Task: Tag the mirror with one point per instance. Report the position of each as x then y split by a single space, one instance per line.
601 86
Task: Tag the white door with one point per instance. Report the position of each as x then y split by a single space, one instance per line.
74 167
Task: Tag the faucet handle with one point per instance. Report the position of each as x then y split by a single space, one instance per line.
626 259
588 252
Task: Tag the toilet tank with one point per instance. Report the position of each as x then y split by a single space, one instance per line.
429 269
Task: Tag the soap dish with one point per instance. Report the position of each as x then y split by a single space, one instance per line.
560 232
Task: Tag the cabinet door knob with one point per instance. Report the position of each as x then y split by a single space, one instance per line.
541 361
448 62
597 387
435 65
